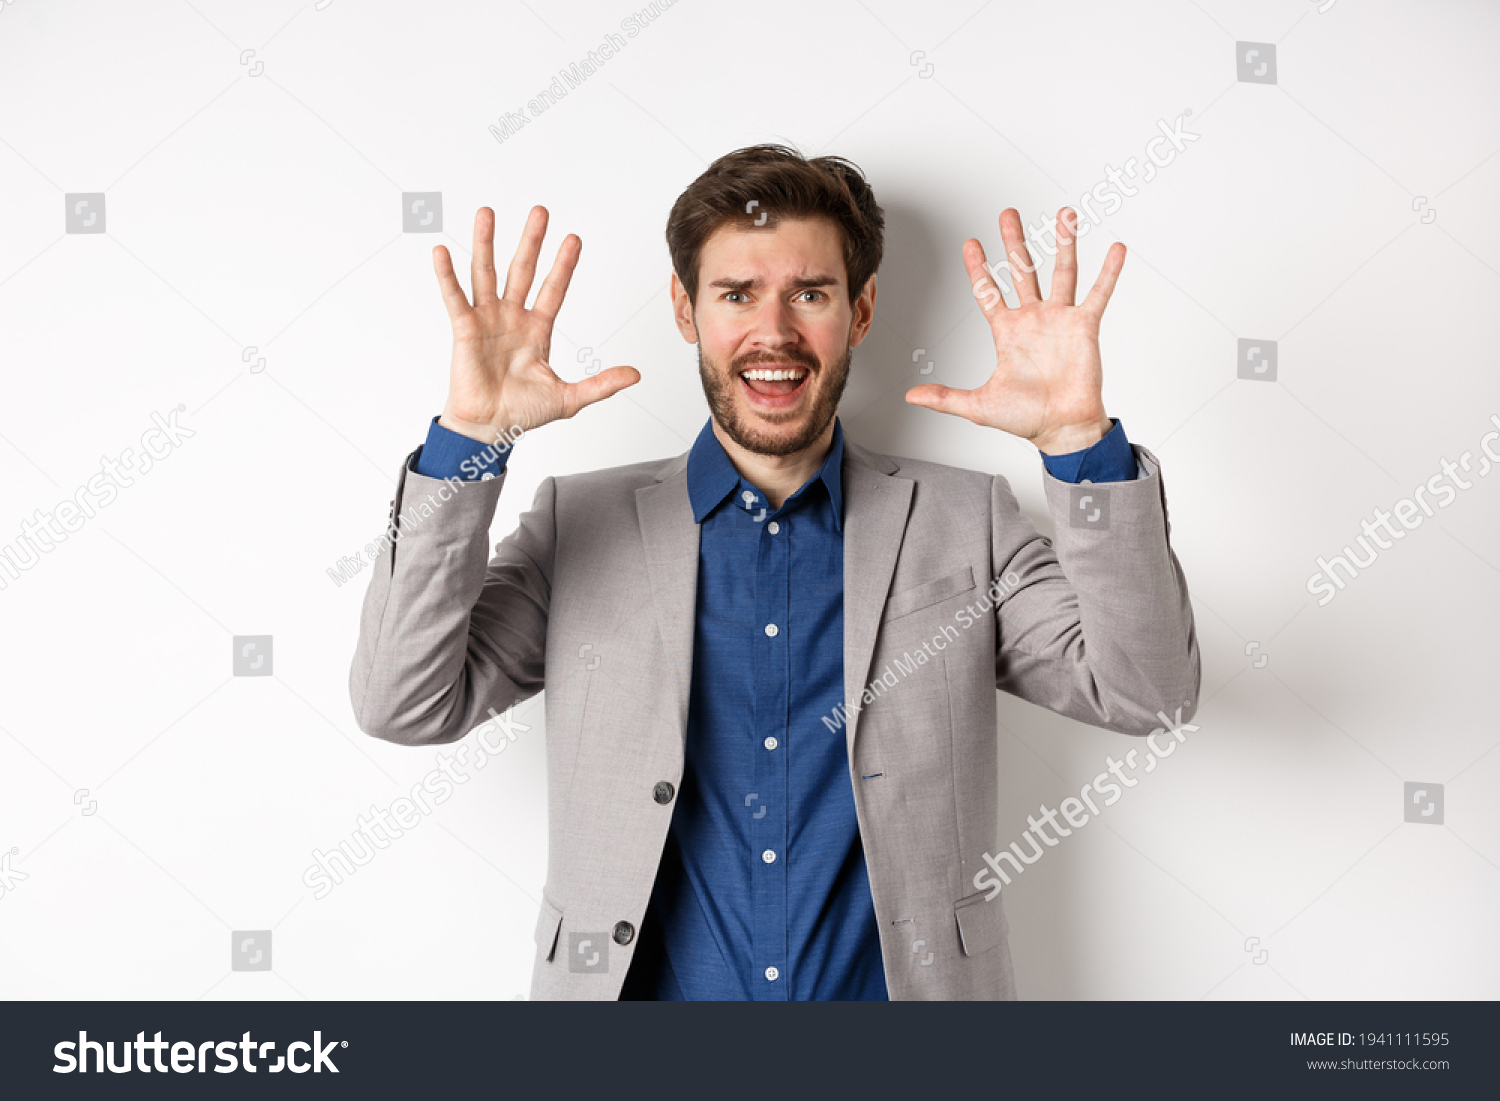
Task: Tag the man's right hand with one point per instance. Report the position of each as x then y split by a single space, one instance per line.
499 377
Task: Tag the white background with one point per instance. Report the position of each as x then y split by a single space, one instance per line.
265 211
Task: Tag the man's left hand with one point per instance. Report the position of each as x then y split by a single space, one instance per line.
1048 382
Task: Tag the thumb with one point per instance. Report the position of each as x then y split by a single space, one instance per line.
942 399
586 392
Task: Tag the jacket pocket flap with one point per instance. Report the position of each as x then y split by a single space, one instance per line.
921 596
548 922
981 924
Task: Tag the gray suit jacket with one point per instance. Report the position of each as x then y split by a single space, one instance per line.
1097 626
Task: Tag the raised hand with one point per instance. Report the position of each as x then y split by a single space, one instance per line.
499 377
1048 382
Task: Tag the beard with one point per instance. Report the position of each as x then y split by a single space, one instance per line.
721 388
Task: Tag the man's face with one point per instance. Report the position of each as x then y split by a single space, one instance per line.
774 328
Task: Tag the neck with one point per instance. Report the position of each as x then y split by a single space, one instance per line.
777 476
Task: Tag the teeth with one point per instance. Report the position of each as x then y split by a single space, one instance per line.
763 375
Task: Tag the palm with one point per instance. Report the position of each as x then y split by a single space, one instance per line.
1048 377
500 333
1047 370
500 376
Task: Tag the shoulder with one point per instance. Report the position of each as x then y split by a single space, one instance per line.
920 471
612 483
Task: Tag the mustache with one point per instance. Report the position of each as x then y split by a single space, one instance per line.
756 358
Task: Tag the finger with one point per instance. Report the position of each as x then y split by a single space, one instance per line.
523 265
482 266
550 298
984 285
1104 286
943 399
1022 269
578 395
453 294
1065 268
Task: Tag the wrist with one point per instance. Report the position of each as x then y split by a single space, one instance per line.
1073 437
484 433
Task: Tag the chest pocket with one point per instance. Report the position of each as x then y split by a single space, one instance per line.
928 593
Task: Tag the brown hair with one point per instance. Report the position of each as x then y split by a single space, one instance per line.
759 183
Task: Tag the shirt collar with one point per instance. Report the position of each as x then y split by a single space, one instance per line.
711 477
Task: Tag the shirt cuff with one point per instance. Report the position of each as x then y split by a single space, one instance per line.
448 454
1110 460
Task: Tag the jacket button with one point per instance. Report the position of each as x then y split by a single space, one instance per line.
663 792
624 932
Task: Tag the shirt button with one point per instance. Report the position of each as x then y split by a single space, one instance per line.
624 932
771 630
662 793
773 527
772 743
768 856
772 974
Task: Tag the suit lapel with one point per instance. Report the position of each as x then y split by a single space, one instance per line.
876 506
671 542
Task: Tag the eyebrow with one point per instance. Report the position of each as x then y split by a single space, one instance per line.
803 283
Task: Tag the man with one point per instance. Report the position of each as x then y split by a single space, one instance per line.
770 663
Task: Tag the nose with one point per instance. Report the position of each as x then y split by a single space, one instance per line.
775 325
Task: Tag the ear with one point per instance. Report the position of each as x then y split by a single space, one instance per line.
864 313
682 311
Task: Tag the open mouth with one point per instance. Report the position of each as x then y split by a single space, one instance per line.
774 387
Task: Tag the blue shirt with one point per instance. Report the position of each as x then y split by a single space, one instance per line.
762 892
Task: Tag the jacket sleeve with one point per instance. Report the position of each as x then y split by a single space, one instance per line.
1098 627
444 636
